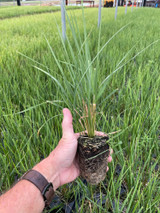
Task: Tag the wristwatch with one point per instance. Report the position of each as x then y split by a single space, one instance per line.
42 184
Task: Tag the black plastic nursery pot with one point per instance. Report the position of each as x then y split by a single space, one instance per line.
93 154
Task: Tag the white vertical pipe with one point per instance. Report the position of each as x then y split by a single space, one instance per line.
63 18
137 4
99 13
126 7
116 10
132 5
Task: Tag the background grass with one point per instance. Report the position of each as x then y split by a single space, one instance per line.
14 11
133 181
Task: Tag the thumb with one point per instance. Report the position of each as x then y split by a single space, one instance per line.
67 127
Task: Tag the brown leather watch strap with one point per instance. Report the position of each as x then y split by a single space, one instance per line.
41 183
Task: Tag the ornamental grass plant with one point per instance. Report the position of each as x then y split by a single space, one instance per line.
83 90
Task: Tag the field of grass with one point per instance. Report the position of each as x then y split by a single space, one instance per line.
9 12
133 181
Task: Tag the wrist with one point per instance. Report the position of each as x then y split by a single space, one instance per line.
48 169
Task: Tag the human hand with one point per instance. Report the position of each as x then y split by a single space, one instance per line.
65 153
61 166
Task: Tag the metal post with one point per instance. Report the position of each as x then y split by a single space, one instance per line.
116 10
99 13
137 4
126 7
63 18
132 5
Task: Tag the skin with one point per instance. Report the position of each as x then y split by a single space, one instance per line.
60 167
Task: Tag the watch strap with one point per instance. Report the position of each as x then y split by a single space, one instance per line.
41 183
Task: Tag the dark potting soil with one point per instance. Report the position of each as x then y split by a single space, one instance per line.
93 153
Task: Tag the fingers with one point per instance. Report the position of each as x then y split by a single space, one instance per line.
109 159
67 126
77 135
111 151
100 133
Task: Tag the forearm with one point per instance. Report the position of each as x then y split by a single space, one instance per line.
23 197
26 197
